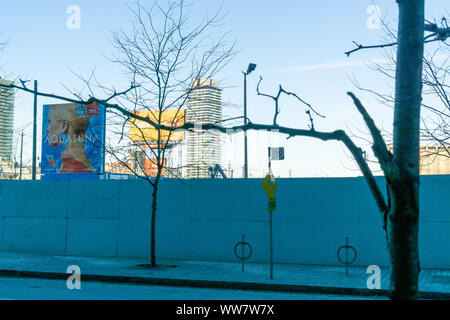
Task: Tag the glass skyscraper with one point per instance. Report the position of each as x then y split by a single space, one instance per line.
204 148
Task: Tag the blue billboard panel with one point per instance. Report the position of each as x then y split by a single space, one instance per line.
73 139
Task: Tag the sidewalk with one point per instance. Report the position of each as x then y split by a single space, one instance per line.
434 284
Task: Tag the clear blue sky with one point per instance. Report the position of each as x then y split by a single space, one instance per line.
297 43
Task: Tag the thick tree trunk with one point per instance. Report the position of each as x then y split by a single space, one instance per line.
403 217
153 227
402 227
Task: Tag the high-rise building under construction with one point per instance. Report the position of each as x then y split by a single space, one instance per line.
204 148
6 121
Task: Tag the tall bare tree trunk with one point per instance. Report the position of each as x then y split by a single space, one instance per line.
152 227
402 234
402 223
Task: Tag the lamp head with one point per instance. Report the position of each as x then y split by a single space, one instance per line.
251 68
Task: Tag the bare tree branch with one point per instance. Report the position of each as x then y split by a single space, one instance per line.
437 34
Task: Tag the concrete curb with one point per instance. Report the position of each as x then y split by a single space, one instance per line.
217 284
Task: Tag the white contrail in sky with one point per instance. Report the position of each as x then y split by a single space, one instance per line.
332 65
344 64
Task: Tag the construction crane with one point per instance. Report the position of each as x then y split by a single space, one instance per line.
216 169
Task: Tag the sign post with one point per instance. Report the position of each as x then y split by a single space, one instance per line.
271 238
270 187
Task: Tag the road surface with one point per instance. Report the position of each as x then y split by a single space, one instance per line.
12 288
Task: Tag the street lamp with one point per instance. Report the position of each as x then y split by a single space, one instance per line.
250 69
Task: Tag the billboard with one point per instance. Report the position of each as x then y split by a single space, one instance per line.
151 167
141 131
73 137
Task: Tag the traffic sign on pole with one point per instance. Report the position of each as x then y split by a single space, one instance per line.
269 185
276 153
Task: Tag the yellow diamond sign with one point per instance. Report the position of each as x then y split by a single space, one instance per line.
269 185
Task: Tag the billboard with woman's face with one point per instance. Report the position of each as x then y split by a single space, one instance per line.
73 137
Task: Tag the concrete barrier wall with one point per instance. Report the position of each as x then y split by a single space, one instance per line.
203 219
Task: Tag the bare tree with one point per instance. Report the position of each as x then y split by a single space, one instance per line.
410 76
401 170
163 54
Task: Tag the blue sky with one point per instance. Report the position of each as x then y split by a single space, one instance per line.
299 44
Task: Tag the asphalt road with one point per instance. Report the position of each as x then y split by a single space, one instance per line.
32 289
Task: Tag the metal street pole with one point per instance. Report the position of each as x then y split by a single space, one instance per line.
251 67
271 246
33 174
21 151
245 131
270 223
270 162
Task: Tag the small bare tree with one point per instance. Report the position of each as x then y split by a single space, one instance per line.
163 53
